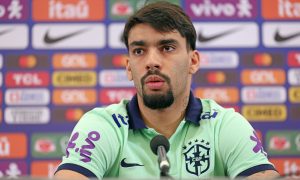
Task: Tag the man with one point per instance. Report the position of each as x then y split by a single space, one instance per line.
206 140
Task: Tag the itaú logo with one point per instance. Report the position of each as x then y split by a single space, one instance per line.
26 96
114 78
265 94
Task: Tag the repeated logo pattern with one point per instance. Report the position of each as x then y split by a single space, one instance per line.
61 58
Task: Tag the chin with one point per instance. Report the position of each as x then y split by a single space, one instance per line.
158 100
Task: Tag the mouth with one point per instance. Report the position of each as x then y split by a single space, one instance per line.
154 82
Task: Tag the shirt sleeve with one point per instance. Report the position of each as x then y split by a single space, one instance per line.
240 148
93 146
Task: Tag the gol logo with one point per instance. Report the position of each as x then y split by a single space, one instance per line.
263 77
74 61
74 96
221 95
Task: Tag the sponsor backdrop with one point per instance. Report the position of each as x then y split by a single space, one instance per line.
60 58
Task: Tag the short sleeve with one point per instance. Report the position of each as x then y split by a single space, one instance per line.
240 148
93 146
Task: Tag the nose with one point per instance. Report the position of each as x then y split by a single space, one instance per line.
153 60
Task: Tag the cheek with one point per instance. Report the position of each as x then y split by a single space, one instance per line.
181 73
136 77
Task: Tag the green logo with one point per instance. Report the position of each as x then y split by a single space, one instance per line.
283 142
49 145
122 9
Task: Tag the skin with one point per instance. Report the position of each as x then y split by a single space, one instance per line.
167 53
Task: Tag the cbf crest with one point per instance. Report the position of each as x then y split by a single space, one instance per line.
197 157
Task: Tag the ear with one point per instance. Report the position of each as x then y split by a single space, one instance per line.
195 62
128 70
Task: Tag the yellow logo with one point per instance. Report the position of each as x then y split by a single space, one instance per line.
294 94
264 112
74 78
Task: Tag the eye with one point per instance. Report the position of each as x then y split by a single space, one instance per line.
138 51
168 48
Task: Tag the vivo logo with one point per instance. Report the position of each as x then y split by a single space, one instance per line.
217 9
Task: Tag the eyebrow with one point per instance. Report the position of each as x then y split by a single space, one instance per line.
167 41
137 43
161 42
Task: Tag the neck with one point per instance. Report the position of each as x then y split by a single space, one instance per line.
165 121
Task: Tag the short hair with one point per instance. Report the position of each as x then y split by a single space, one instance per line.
163 17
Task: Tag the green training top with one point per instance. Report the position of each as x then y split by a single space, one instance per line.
210 141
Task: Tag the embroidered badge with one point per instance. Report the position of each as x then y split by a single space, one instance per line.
197 157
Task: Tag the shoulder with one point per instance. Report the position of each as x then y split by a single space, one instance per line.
105 119
222 118
212 110
105 114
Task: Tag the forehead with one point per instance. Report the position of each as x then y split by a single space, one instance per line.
147 34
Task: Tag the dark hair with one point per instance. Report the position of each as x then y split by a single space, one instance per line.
163 17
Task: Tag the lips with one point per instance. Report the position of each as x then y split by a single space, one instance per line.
154 82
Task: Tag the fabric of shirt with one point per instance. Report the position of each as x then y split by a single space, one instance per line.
210 141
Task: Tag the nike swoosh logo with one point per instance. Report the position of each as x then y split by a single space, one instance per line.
51 40
4 31
125 164
202 38
279 38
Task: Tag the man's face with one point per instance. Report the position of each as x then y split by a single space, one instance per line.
159 64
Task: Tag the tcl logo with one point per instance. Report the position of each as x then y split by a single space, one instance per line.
108 96
27 79
294 58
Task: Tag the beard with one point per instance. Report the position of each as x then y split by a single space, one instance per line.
160 100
